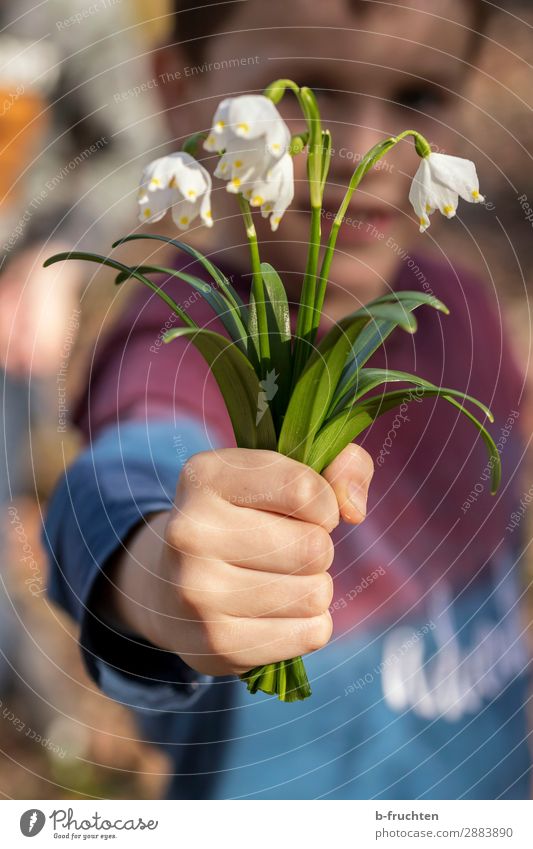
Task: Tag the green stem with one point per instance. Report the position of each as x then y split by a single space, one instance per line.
258 286
190 145
318 159
317 164
367 163
276 90
304 321
310 318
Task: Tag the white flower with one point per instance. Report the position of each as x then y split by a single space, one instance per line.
242 163
250 116
179 183
438 184
254 142
275 192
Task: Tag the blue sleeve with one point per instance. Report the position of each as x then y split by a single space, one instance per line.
129 472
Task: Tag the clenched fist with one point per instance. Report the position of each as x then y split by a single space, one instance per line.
236 575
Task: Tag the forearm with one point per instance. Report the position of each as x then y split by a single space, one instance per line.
104 533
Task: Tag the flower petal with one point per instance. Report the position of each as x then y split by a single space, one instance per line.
184 213
457 174
419 194
205 206
153 207
251 116
243 161
169 182
218 137
275 193
278 138
191 181
427 194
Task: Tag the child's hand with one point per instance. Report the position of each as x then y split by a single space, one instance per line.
241 578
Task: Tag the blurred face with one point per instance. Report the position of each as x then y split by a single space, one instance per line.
376 70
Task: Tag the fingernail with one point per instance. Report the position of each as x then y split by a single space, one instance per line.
357 498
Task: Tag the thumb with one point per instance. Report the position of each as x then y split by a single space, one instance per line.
349 476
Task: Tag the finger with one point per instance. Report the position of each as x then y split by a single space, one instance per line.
264 480
252 594
251 539
242 644
349 476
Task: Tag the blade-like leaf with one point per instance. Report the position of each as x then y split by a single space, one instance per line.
370 378
279 331
326 160
238 383
348 424
390 400
128 272
408 295
220 279
373 336
278 299
314 391
229 316
336 435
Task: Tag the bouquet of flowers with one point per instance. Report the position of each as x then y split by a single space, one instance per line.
324 396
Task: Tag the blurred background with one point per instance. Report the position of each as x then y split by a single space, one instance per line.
79 115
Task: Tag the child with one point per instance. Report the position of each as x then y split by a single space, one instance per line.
421 690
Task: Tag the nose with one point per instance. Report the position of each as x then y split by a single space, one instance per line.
362 125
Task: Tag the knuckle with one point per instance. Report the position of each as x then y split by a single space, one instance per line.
185 536
319 598
319 632
202 591
304 490
316 548
218 642
192 603
176 533
194 545
195 470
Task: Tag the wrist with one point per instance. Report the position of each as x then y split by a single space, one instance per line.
131 602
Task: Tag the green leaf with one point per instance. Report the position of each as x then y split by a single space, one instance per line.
279 331
128 272
286 679
217 275
344 427
336 435
229 316
370 378
315 389
281 321
238 384
373 336
381 404
326 157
